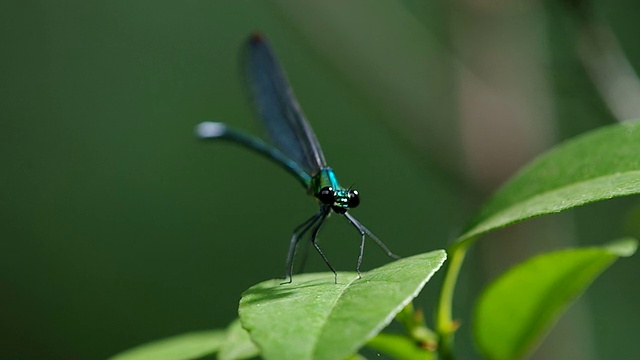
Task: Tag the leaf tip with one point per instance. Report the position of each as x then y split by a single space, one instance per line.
624 247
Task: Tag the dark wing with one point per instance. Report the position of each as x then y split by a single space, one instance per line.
278 108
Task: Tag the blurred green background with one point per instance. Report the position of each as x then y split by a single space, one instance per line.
118 227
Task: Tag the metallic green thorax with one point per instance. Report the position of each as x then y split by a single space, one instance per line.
326 177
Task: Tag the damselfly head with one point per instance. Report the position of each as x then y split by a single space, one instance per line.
327 196
353 198
339 200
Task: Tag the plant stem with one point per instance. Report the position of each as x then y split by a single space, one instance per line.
445 325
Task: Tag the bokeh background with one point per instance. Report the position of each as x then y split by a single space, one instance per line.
118 227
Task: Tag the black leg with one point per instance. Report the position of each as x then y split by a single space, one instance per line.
364 231
314 235
298 233
303 254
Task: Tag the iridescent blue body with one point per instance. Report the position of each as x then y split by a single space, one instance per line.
293 146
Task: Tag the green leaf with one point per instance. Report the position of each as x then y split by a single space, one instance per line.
314 318
238 344
517 309
188 346
399 347
599 165
355 357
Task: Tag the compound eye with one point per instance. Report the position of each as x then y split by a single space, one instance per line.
354 198
327 196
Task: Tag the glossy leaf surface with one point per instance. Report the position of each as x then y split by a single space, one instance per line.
517 309
314 318
599 165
